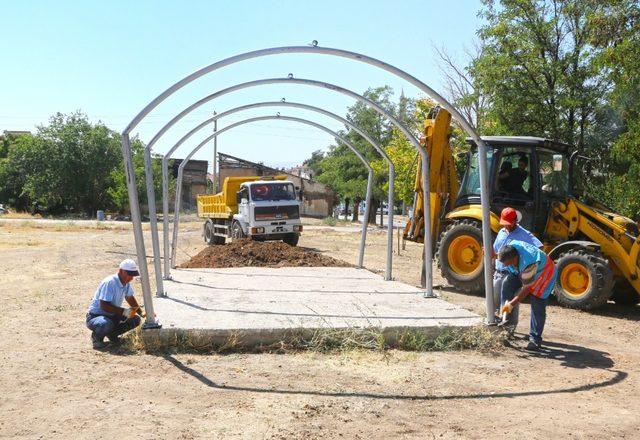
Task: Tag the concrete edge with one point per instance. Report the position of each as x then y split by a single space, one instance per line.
256 339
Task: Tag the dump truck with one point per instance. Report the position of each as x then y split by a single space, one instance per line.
258 207
597 252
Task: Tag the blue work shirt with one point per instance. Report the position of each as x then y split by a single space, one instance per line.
110 290
505 237
528 255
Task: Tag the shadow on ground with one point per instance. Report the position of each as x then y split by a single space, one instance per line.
572 356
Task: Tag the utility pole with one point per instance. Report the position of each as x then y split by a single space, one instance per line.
215 156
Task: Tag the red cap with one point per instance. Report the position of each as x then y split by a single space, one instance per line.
508 217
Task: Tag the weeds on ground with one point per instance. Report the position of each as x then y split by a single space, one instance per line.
193 342
330 221
477 338
14 215
327 340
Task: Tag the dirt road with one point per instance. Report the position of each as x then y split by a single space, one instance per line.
585 385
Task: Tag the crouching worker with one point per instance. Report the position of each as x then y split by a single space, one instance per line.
106 316
531 272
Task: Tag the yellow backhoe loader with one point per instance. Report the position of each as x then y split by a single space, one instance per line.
596 251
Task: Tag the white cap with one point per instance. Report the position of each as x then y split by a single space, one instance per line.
130 266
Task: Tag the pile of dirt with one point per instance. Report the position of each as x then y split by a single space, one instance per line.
246 252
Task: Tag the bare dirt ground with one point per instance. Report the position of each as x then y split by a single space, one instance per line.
585 384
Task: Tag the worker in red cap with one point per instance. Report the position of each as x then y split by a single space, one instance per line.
502 279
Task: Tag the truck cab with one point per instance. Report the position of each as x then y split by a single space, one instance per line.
267 210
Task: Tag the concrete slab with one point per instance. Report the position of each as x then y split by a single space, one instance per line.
262 306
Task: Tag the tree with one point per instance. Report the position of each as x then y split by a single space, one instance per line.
314 162
65 166
341 170
118 192
461 87
616 31
69 165
13 170
538 69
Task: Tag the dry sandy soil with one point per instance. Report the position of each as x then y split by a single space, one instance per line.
584 385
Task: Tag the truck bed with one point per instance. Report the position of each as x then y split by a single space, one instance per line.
214 206
224 204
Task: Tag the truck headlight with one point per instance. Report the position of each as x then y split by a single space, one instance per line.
297 228
259 230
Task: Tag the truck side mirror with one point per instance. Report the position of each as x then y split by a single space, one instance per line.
238 197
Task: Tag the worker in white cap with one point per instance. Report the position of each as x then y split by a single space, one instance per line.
106 316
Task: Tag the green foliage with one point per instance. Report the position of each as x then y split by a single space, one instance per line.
12 170
118 192
539 70
314 162
568 70
616 31
329 221
342 170
69 165
405 161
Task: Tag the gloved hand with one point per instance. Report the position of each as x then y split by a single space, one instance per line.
506 307
129 313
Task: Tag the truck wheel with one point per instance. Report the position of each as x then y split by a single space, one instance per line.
624 294
291 239
236 230
585 280
459 255
209 236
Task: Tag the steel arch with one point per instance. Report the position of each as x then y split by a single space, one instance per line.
176 218
313 49
289 80
283 103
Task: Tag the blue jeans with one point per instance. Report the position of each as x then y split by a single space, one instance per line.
510 287
500 279
112 327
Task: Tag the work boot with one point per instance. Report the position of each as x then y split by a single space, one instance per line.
98 343
114 341
532 346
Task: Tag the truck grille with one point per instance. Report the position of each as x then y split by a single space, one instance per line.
277 212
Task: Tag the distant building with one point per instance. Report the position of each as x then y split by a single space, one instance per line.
317 199
301 171
16 133
194 181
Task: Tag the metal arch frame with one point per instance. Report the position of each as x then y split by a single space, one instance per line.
366 163
260 82
290 80
313 49
283 103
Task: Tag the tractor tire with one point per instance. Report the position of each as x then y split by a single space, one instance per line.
291 239
585 280
236 230
624 294
209 237
459 255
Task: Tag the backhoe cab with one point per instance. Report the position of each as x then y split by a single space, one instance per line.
596 251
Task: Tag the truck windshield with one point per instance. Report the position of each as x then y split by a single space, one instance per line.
272 192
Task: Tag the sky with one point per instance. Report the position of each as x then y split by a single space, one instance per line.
109 59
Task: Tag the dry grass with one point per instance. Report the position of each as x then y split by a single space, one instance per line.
25 215
67 225
328 340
